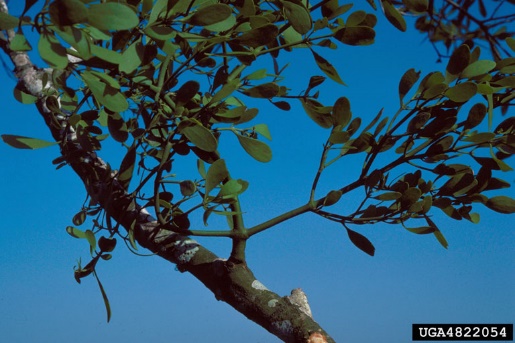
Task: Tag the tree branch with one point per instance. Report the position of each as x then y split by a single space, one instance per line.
233 283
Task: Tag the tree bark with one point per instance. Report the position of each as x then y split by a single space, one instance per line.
288 318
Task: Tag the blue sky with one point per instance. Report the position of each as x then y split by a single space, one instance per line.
355 297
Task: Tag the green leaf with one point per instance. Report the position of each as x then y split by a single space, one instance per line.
106 244
107 79
259 36
317 112
78 39
265 91
495 183
181 221
80 272
187 91
472 217
427 203
112 16
28 5
68 12
74 232
362 143
127 167
462 92
417 6
511 43
373 4
20 43
341 111
501 204
434 91
421 230
201 167
381 126
117 127
339 137
354 126
459 60
410 196
225 91
206 214
375 120
327 68
210 14
257 75
361 242
320 24
388 196
332 197
283 105
224 25
488 163
482 137
508 81
506 126
132 57
230 116
52 52
290 36
430 80
90 237
198 134
374 178
104 296
407 81
101 85
440 146
441 239
356 35
158 9
418 121
205 156
298 16
21 142
79 218
331 9
356 18
314 81
458 185
216 173
262 129
23 97
98 34
478 68
132 239
394 16
187 188
106 55
255 148
231 188
8 22
160 32
476 115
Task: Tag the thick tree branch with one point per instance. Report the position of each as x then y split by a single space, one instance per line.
286 317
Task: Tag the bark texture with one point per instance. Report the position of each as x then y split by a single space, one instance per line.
288 318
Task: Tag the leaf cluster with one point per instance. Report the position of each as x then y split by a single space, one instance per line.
455 153
167 79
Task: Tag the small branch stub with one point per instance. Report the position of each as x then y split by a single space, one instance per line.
299 298
317 337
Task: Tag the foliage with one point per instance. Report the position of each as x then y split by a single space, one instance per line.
166 79
468 22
